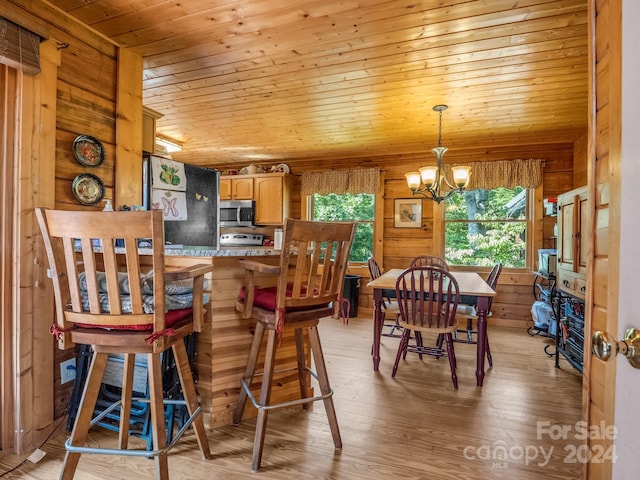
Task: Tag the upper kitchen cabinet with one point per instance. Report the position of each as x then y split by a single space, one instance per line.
271 192
149 119
573 233
273 198
237 188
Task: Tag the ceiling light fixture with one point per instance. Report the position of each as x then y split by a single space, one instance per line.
169 145
428 181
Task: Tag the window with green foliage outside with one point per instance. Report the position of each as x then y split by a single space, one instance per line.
484 227
357 208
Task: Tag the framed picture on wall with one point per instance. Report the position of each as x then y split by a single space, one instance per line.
407 213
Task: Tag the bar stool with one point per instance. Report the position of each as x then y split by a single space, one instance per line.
309 282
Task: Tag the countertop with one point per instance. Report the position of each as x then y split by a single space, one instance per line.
201 251
195 251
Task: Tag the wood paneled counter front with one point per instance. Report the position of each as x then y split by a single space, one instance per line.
223 345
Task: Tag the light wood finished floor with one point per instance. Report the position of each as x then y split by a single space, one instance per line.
415 426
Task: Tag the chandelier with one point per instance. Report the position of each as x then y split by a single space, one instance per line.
428 181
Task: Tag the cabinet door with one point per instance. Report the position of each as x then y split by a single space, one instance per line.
269 195
573 234
582 239
242 188
225 189
566 212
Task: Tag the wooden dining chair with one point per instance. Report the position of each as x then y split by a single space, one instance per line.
113 298
468 317
389 306
428 299
429 261
307 286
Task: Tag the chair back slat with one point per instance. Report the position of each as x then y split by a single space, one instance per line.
492 280
429 261
374 268
83 259
427 297
318 254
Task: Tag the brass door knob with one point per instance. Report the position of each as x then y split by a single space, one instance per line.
604 345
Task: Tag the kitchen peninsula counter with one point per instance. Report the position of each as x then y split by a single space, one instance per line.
223 345
247 251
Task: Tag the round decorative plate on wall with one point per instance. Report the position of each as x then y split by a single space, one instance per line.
88 189
88 151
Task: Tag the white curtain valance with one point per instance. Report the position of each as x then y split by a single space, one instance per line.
362 180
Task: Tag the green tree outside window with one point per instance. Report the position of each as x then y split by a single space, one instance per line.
359 208
483 227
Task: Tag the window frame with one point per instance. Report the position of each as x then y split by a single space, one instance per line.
308 214
533 239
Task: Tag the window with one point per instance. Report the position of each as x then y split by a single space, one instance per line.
483 227
359 208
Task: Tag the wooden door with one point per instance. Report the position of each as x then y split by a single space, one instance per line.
625 146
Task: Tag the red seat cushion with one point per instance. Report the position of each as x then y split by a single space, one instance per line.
263 297
170 319
266 297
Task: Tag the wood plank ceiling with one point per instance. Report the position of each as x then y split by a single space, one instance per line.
241 81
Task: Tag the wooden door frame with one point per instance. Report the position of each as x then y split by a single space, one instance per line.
29 146
9 84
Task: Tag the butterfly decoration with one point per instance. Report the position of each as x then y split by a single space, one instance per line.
169 206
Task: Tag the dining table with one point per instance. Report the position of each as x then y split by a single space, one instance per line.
469 283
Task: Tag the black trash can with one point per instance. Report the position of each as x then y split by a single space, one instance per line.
350 292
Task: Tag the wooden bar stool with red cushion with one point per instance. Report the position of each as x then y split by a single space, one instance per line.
308 286
105 297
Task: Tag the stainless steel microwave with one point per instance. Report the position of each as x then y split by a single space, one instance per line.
237 213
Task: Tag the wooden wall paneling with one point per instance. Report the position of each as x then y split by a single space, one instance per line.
580 160
128 163
378 227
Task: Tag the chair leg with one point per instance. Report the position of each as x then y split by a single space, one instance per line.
249 371
85 414
190 396
158 426
302 372
452 359
402 349
265 396
325 387
489 357
125 406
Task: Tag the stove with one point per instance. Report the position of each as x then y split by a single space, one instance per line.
241 239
